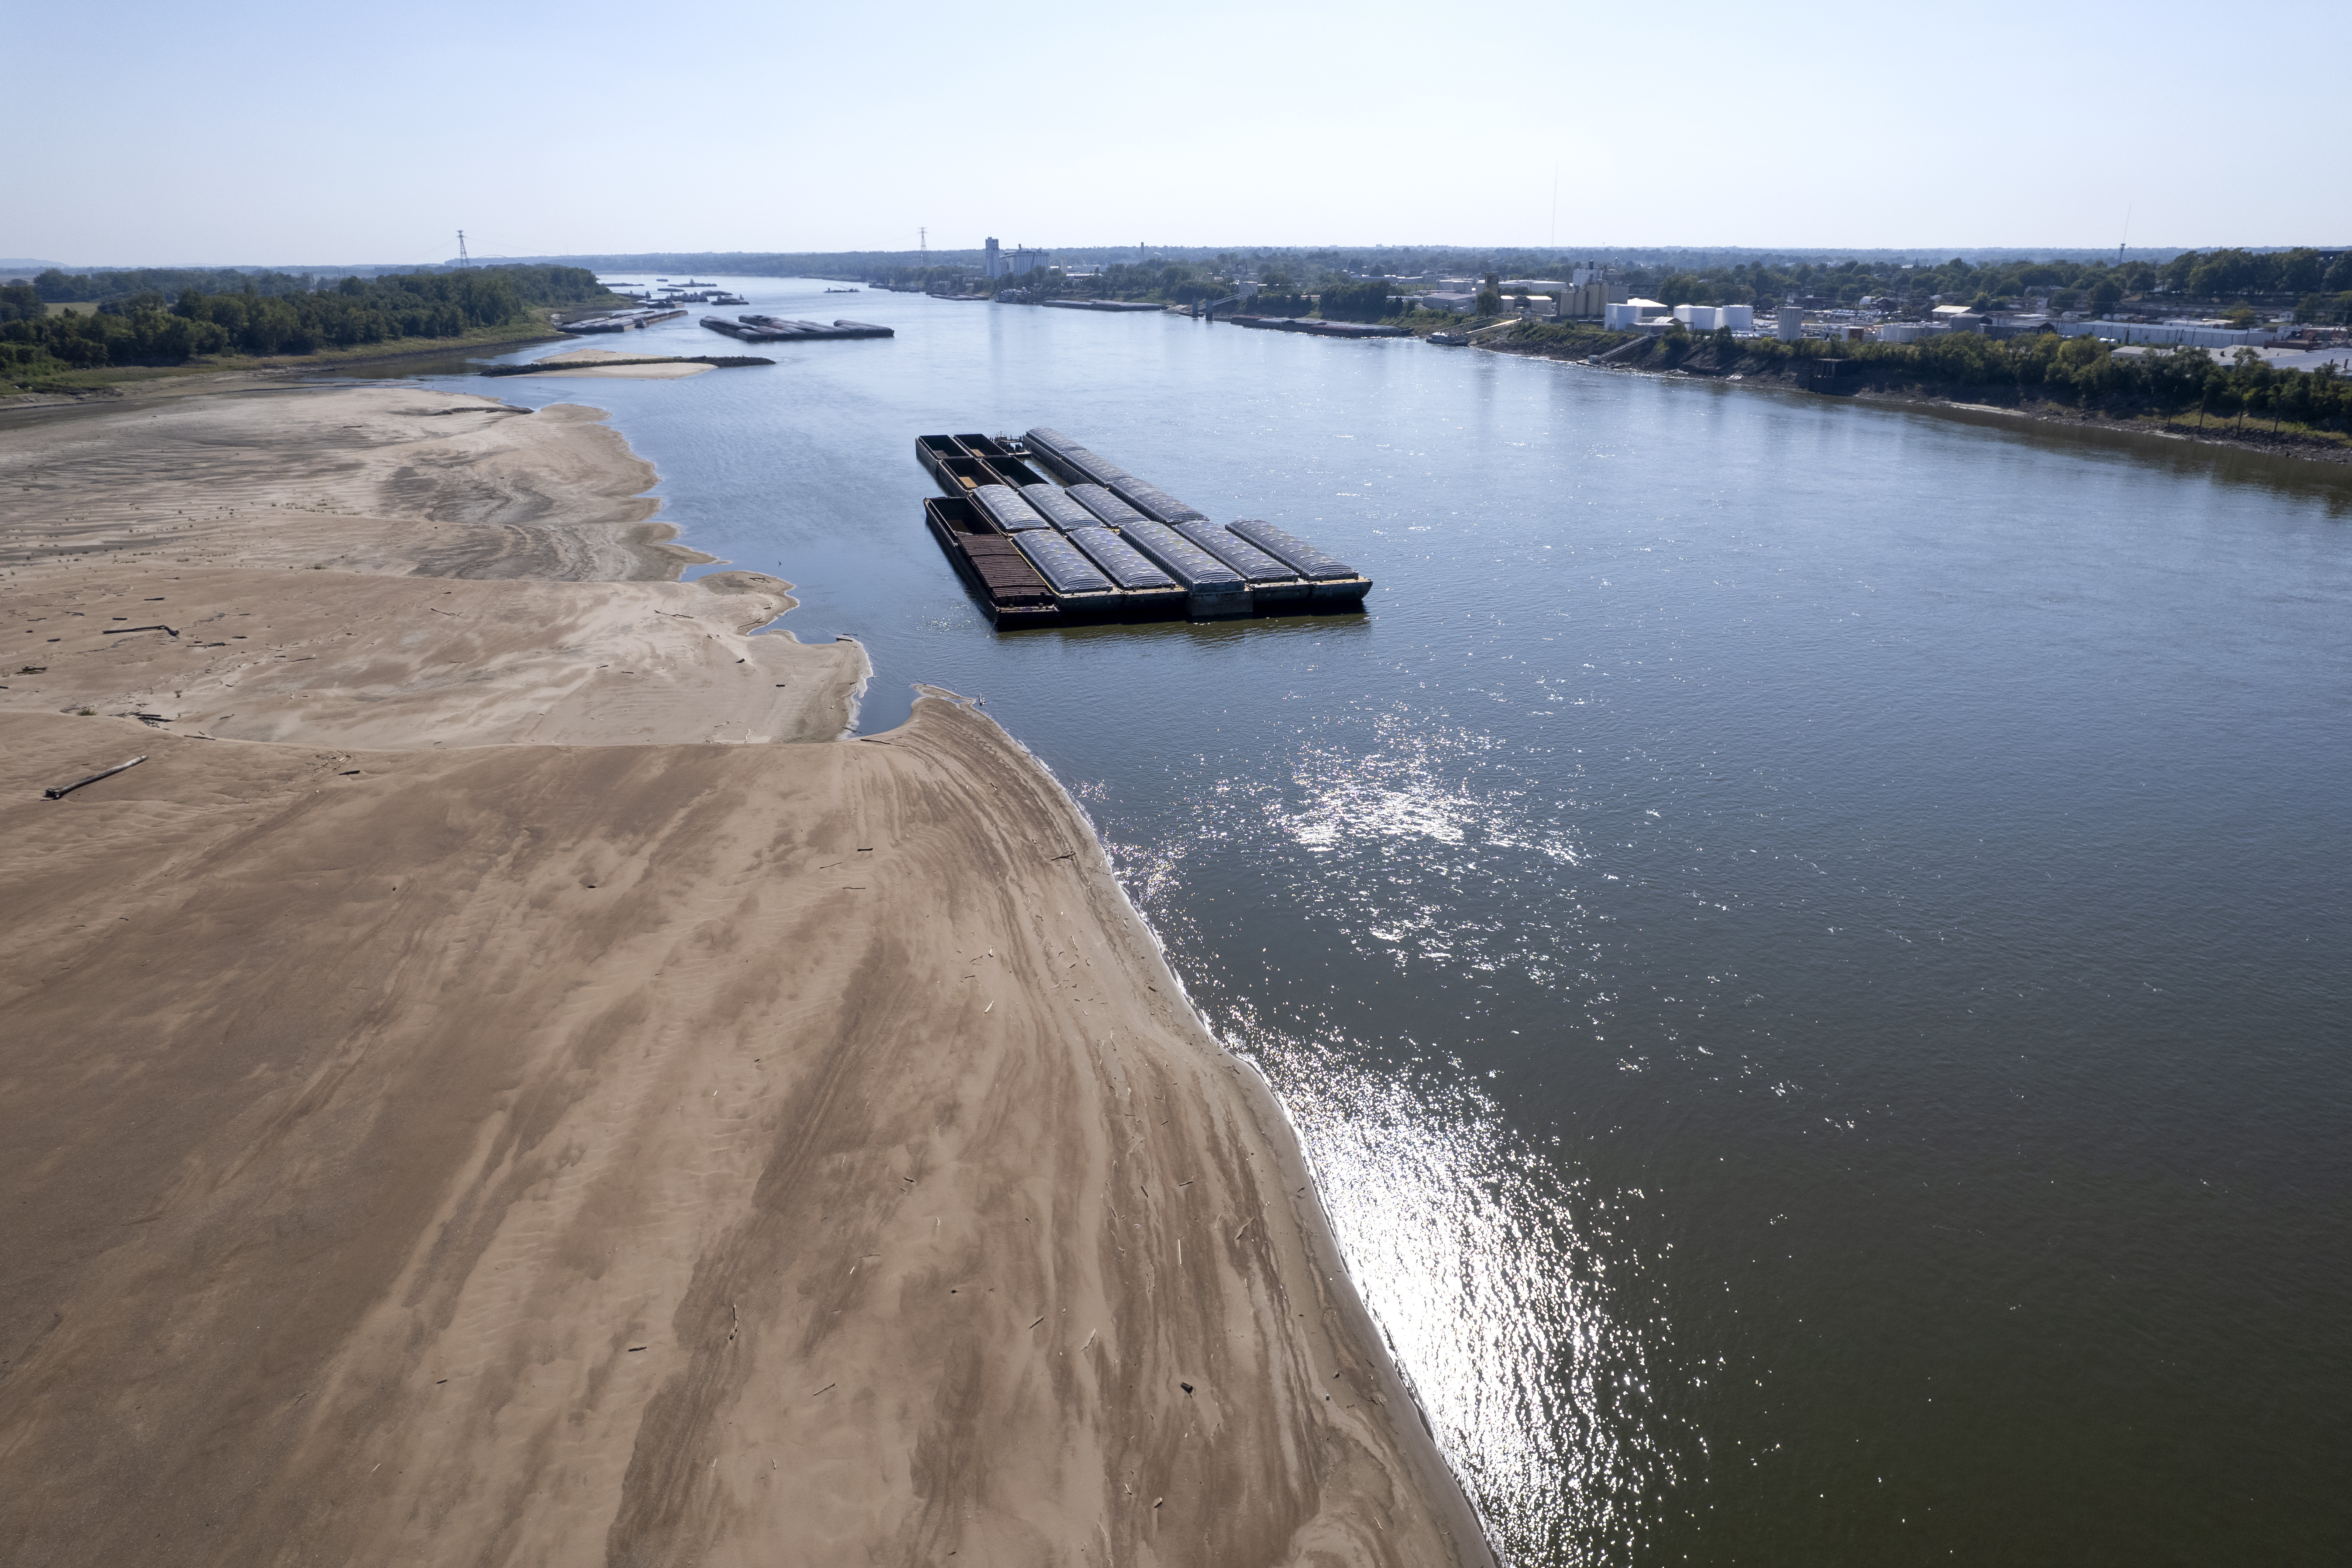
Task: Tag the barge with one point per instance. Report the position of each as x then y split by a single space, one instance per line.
1009 587
1101 545
618 321
1319 329
773 329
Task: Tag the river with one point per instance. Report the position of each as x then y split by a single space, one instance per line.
1807 942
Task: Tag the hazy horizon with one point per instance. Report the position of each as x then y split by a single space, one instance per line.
606 260
276 131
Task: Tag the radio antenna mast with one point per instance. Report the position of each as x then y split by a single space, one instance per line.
463 260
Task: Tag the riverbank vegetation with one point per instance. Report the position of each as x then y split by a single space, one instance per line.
188 325
2043 372
2316 285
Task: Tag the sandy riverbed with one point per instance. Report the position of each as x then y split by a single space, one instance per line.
458 1112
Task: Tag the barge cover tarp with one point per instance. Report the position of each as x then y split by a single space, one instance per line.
1105 506
1054 505
1120 561
1236 552
1315 565
1059 561
1195 567
1006 509
1154 502
1054 444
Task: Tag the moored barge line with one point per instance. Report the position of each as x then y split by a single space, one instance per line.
773 329
1319 329
617 321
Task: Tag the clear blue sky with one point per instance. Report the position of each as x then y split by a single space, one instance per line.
266 132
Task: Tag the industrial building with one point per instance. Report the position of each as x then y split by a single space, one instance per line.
996 262
1627 315
2177 332
1712 318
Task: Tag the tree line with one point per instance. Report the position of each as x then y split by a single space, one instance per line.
2317 283
2044 367
58 286
150 327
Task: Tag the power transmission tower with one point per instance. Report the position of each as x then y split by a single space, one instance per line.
924 236
463 260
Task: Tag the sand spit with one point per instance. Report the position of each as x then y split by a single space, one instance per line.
365 566
424 1142
583 363
335 658
364 478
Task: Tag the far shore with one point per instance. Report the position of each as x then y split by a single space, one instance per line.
507 1073
2249 437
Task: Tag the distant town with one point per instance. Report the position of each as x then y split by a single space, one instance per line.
2293 308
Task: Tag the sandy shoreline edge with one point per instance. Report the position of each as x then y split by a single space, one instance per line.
478 1091
1309 1185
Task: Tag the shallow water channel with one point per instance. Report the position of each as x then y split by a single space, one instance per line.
1807 942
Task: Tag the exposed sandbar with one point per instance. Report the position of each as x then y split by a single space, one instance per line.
362 479
632 1148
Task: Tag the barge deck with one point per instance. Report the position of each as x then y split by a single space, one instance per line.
775 329
617 321
1104 545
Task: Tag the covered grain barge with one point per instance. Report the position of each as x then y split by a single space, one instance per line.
1095 542
777 328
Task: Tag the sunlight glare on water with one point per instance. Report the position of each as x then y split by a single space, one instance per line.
1474 1249
1470 1247
1805 940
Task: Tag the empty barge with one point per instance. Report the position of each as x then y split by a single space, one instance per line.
1319 329
1097 544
